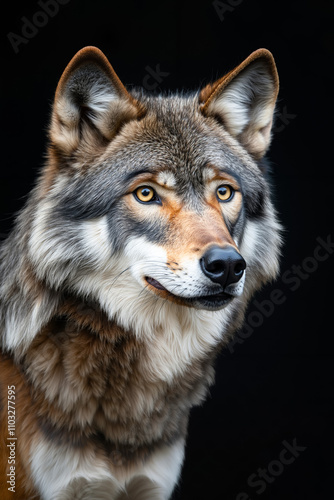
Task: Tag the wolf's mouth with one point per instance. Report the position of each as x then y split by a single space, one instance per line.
211 302
155 283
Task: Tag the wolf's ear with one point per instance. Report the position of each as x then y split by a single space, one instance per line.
244 101
90 103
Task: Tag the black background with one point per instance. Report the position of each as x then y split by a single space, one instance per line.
277 385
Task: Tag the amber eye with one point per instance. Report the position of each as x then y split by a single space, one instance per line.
145 194
224 193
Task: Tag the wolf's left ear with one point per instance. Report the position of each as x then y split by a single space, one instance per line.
90 104
244 101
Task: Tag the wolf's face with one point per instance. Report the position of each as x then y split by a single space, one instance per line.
185 251
155 199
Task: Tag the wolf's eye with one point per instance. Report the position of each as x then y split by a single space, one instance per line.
225 193
145 194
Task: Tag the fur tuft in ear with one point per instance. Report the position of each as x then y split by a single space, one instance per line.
244 101
90 104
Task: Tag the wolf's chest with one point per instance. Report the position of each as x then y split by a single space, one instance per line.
111 388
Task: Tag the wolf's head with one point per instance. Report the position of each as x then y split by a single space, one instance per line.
159 202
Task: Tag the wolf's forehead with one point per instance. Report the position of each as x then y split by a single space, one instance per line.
176 142
169 179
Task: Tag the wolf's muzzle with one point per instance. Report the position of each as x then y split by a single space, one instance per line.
223 265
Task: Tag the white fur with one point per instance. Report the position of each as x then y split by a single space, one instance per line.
100 97
21 330
55 467
164 467
166 179
96 241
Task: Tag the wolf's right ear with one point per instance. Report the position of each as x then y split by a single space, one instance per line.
90 104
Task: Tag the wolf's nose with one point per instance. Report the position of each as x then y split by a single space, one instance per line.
223 265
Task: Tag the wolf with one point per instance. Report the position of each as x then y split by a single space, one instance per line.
132 263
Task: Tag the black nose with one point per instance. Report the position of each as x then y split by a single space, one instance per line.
223 265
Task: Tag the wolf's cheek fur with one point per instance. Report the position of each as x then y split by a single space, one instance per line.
260 248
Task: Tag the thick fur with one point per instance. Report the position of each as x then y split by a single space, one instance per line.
104 330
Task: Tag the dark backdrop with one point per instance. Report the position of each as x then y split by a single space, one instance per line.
274 385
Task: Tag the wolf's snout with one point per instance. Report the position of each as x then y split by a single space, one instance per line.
223 265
